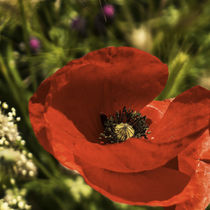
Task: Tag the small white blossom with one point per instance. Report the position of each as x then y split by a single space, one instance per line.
13 111
22 165
22 142
18 118
6 143
27 207
13 199
19 198
5 105
21 204
18 138
30 155
4 205
12 181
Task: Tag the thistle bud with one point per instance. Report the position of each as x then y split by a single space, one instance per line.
109 10
79 24
34 44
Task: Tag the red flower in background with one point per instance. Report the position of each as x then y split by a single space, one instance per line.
161 160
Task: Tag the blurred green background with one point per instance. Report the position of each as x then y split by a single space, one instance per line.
38 37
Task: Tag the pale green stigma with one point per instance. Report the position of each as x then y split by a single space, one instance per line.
124 131
122 125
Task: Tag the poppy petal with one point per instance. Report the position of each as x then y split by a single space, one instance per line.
39 103
131 77
59 131
198 150
193 163
36 110
187 114
133 155
198 189
155 111
145 188
194 195
80 100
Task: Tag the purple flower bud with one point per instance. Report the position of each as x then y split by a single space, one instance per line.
109 10
78 24
34 44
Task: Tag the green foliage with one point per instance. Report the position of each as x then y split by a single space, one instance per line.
176 31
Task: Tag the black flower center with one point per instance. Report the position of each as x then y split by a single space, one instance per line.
123 125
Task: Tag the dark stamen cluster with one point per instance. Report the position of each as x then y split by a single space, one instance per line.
133 118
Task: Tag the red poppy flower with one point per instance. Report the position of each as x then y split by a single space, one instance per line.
90 116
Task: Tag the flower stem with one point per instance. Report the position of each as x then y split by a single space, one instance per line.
26 39
13 88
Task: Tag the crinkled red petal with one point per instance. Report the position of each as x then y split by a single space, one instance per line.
187 114
193 163
186 192
198 150
36 112
198 189
154 187
133 155
155 111
63 147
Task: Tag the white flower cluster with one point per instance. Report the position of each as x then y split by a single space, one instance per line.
11 145
9 134
25 165
22 164
14 199
15 161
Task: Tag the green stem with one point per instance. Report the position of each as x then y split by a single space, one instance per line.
42 168
12 67
13 88
128 16
25 26
26 39
177 81
52 177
